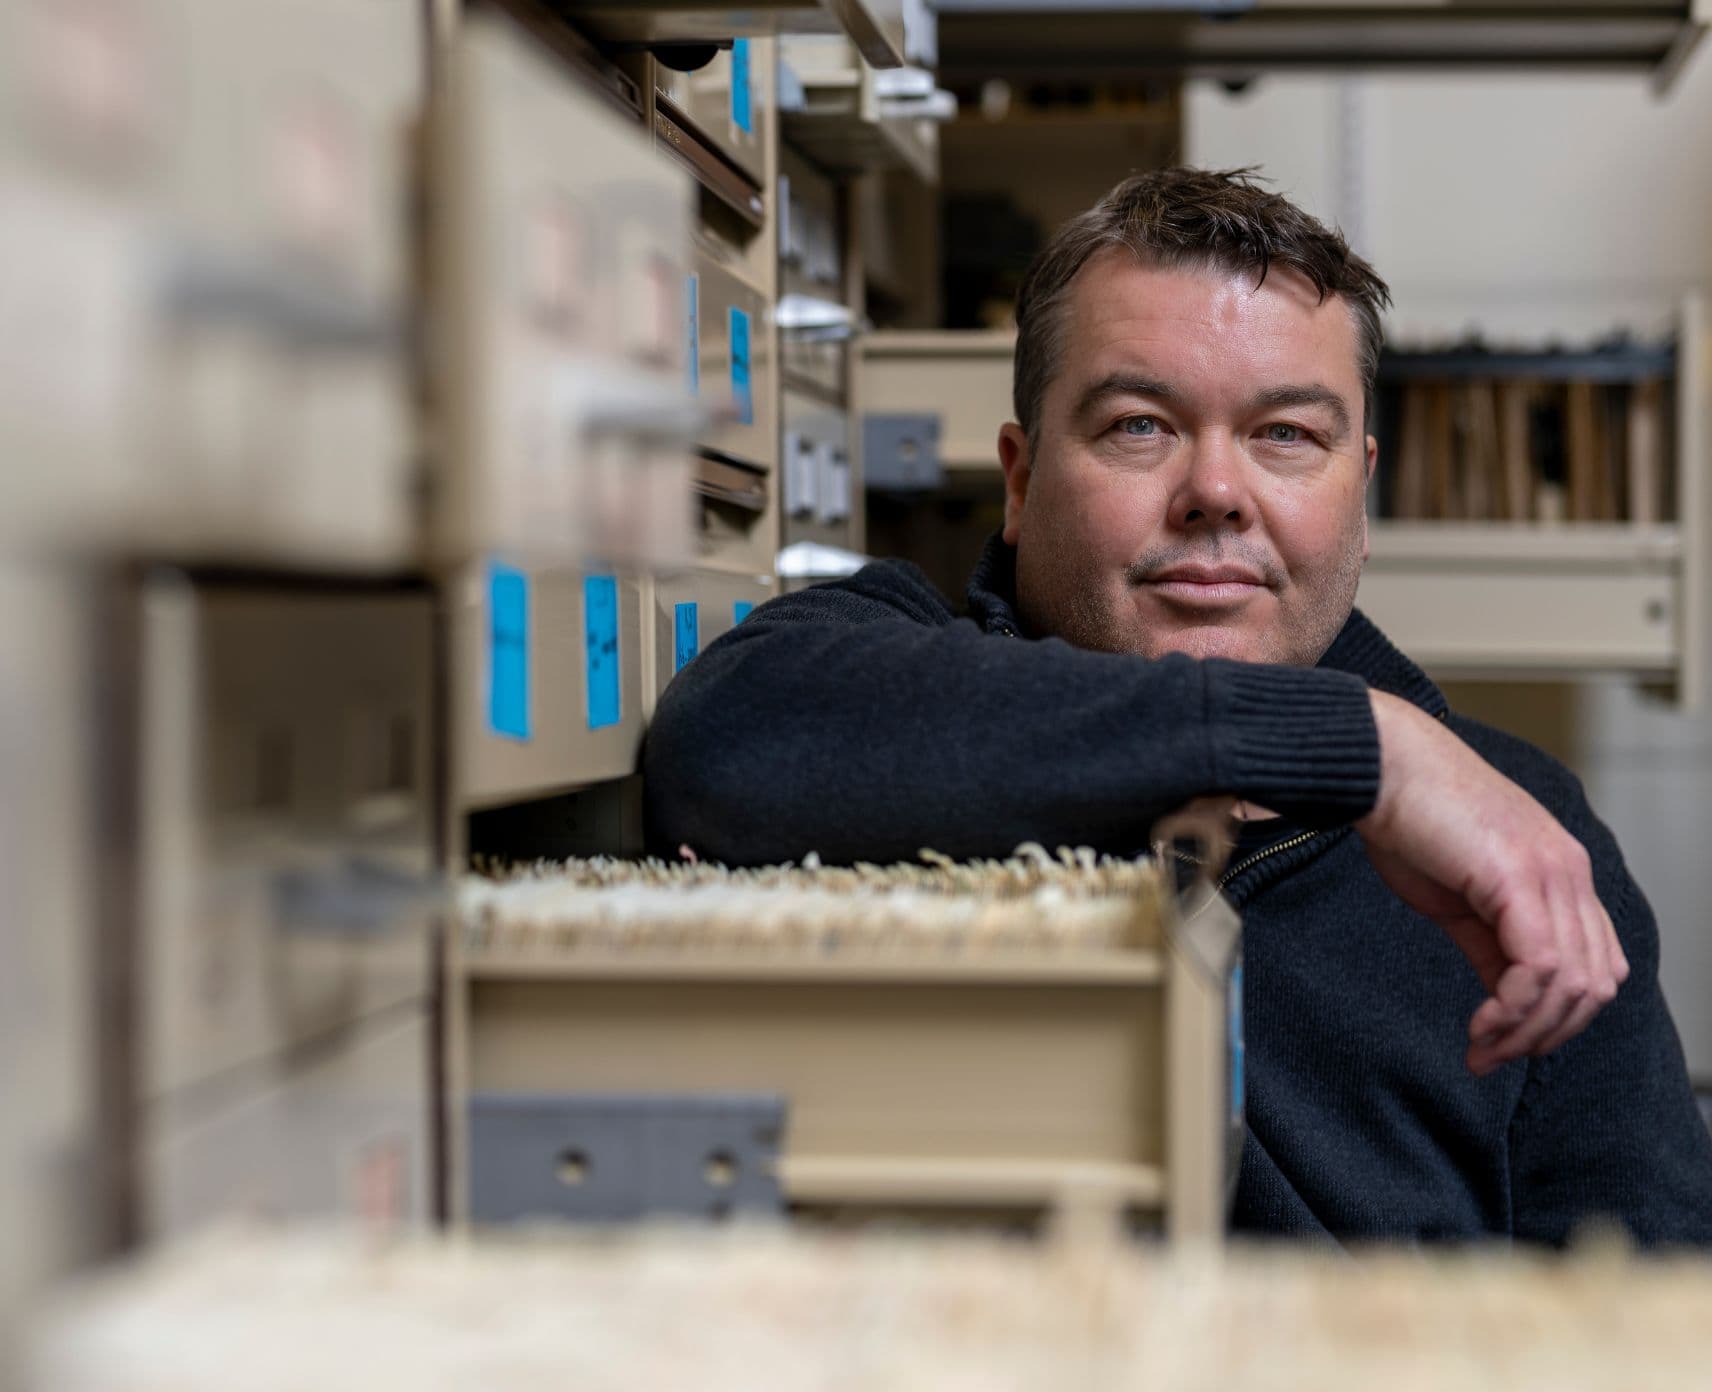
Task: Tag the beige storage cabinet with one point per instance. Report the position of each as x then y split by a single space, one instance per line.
341 1134
286 822
731 334
962 377
694 607
549 665
724 102
1469 598
559 304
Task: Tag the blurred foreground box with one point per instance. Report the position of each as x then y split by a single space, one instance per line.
204 271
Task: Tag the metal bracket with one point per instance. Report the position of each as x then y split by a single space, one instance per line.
618 1157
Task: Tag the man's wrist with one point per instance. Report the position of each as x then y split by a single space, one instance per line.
1300 740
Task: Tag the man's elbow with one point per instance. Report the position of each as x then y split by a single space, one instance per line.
694 788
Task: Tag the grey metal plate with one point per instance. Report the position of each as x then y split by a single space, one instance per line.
901 452
607 1157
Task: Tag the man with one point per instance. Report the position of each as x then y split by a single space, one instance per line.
1436 926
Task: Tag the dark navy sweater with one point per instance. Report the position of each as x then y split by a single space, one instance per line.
864 720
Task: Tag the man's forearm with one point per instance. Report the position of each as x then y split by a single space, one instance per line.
872 740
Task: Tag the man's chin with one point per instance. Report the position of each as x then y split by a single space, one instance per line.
1209 640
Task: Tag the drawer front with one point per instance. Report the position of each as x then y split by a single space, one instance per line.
287 828
344 1136
550 666
563 278
284 128
692 608
1504 619
225 376
285 423
968 389
725 101
732 337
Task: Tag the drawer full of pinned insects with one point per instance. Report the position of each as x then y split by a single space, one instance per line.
1002 1039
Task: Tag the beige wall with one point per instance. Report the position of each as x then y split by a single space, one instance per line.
1527 206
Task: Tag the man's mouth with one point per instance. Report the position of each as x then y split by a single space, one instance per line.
1221 585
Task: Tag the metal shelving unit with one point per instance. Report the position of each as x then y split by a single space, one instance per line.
1237 42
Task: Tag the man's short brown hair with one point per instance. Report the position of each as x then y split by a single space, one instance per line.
1188 218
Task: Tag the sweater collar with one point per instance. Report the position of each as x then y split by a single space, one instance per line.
1360 648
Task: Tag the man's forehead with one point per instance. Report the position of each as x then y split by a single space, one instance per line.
1122 308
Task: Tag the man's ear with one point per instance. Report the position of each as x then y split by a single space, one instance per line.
1367 478
1014 459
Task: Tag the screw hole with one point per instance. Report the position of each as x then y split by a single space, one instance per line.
573 1168
720 1171
1656 611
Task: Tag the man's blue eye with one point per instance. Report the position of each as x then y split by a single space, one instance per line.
1282 434
1139 425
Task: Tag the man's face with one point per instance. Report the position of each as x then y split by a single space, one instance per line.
1200 476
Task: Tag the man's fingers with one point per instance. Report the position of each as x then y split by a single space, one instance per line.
1555 1000
1525 984
1578 1019
1490 1021
1617 962
1550 1016
1592 990
1467 848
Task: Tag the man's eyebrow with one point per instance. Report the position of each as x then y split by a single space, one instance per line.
1312 394
1124 384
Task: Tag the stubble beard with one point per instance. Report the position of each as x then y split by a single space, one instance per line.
1084 611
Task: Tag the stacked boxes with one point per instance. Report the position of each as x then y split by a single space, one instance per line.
561 290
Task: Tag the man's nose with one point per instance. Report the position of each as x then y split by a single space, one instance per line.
1213 489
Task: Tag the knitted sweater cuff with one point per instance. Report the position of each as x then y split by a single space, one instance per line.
1301 741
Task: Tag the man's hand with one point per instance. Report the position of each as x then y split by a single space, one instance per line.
1462 844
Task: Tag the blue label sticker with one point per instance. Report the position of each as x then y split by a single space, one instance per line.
741 610
1236 1044
686 642
741 391
693 324
508 652
600 640
742 112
